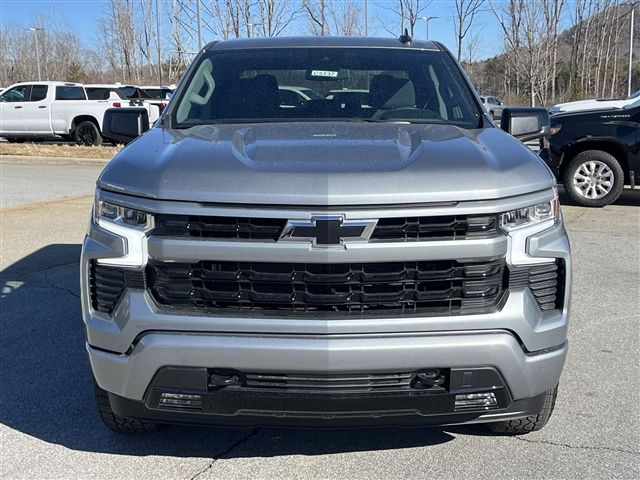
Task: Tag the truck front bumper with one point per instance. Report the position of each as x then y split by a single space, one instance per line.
131 378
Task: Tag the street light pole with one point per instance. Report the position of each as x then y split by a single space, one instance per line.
426 21
251 25
35 30
366 18
199 21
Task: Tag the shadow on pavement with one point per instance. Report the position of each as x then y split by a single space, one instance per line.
46 389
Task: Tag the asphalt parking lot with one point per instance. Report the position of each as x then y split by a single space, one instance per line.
50 429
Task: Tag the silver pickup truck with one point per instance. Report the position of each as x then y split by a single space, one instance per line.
397 260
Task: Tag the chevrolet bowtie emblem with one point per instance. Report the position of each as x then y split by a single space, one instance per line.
328 230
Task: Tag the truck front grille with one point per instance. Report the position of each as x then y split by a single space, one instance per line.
434 379
444 287
459 227
223 228
397 229
330 383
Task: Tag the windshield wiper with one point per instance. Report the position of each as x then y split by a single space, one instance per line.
373 120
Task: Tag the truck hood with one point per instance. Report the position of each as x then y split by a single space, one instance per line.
590 105
325 164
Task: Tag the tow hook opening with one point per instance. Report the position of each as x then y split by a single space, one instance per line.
218 380
433 378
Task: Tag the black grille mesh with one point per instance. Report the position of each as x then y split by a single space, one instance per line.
441 287
400 229
352 383
196 226
434 228
107 283
545 281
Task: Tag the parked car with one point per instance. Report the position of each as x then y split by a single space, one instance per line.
36 110
291 96
158 92
350 96
133 92
253 264
595 104
115 93
595 153
105 91
493 105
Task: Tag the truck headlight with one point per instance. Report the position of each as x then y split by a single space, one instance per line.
128 223
535 214
112 213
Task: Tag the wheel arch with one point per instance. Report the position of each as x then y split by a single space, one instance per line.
612 148
81 118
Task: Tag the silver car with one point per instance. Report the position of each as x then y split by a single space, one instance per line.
493 105
402 262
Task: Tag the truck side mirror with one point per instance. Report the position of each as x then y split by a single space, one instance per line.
122 125
526 123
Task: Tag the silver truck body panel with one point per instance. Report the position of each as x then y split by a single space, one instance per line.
526 375
325 164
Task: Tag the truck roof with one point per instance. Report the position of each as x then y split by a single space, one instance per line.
102 85
288 42
51 83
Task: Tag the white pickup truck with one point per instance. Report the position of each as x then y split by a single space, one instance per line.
37 110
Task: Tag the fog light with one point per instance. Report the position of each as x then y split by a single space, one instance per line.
469 401
180 400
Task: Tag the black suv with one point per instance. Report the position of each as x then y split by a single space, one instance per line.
595 152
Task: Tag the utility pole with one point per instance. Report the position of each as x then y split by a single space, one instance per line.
35 30
199 18
633 9
159 47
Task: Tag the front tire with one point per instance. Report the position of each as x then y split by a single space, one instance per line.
116 422
593 178
88 134
532 423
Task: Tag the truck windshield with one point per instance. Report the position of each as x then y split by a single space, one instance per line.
395 85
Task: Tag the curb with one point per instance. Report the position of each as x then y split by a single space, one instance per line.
35 160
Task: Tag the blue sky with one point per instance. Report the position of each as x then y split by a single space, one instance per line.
82 15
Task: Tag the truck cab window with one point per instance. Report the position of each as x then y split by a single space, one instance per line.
70 93
16 94
38 93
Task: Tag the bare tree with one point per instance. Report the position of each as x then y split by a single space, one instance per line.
346 18
141 39
466 11
472 47
317 15
409 12
62 56
275 16
523 31
552 14
118 33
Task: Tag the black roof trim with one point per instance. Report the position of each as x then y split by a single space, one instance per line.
317 41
